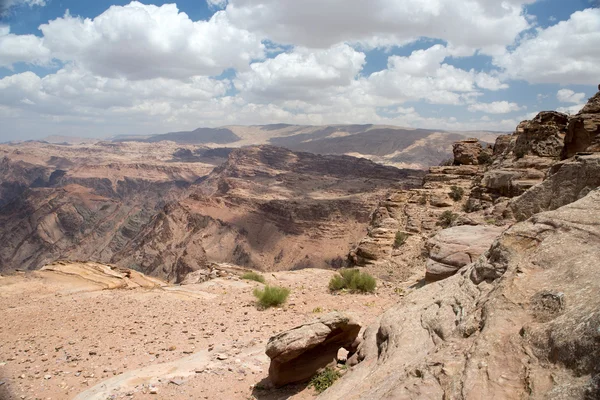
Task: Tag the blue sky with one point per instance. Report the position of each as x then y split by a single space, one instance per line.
117 67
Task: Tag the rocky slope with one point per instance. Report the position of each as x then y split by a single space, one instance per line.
157 209
266 208
521 321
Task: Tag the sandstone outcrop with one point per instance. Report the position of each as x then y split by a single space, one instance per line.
520 321
296 355
453 248
466 152
583 134
568 181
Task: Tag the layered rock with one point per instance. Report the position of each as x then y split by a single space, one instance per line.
466 152
453 248
567 182
296 355
520 321
583 134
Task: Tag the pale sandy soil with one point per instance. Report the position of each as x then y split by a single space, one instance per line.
62 336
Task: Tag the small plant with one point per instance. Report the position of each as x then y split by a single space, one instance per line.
317 310
484 158
456 193
446 219
324 379
520 153
354 281
423 200
271 296
400 239
253 276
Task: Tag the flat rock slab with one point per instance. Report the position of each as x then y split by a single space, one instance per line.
453 248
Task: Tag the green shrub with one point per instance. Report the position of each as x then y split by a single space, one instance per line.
324 379
423 200
447 218
253 276
520 152
456 193
400 239
353 280
271 296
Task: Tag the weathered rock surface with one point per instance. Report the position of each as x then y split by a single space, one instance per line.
453 248
583 133
568 181
466 152
522 321
543 136
296 355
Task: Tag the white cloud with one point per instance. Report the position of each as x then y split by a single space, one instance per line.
496 107
6 5
424 75
301 74
382 22
569 96
565 53
21 48
140 41
572 110
216 3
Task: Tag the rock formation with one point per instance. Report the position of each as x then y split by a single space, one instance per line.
296 355
521 319
466 152
583 134
453 248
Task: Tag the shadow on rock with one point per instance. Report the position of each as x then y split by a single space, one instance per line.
264 390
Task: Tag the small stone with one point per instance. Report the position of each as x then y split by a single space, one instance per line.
46 377
221 357
153 390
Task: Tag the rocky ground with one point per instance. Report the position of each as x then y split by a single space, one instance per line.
66 334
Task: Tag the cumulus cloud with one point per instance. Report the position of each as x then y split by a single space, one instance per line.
565 53
216 3
569 96
139 41
301 74
424 76
22 48
382 22
496 107
6 5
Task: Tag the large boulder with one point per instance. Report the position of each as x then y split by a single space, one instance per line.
296 355
453 248
583 134
521 322
567 182
466 152
543 136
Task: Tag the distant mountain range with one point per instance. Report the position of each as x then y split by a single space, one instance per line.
389 145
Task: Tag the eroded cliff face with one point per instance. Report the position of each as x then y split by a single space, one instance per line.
145 207
522 320
267 208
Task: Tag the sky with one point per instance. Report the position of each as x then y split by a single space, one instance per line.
103 68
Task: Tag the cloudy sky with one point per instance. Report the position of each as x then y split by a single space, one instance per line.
101 68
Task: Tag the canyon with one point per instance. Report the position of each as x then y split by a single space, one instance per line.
121 273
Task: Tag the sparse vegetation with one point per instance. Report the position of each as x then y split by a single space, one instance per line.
354 281
253 276
324 379
446 219
456 193
423 200
271 296
520 153
484 158
317 310
400 239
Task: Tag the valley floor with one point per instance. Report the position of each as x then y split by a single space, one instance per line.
62 336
